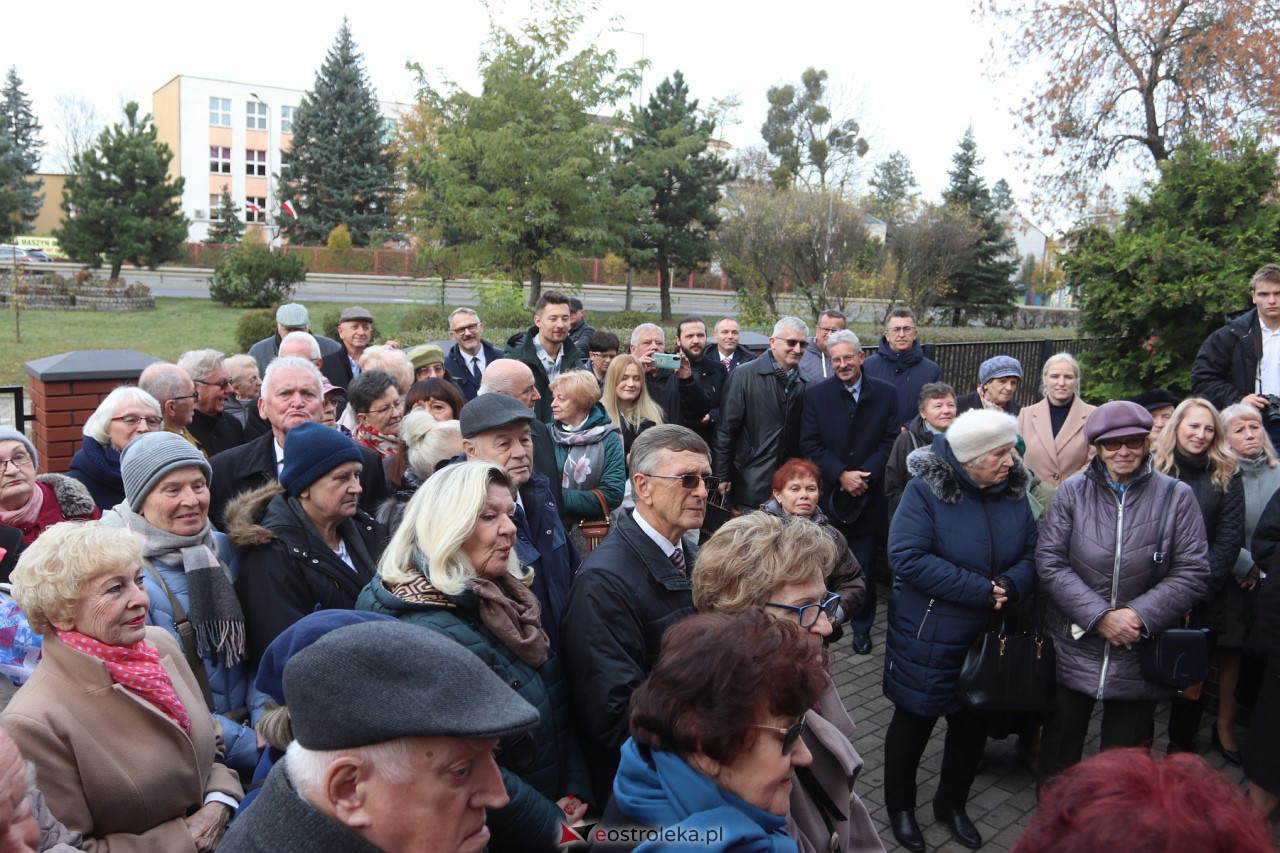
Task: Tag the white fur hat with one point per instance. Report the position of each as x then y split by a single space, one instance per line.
979 431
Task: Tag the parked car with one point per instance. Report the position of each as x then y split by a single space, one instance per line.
11 254
38 256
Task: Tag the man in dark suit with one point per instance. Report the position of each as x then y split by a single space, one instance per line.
727 350
291 395
847 429
470 355
514 379
355 330
212 426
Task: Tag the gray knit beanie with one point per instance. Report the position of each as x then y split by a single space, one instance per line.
150 457
998 367
10 434
978 432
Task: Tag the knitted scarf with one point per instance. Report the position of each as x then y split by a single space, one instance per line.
28 512
212 605
584 459
136 668
383 445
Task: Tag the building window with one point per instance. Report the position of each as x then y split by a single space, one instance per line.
255 115
255 163
388 130
286 119
220 112
255 209
219 160
215 205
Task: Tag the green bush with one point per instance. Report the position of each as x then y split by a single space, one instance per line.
424 317
255 277
253 326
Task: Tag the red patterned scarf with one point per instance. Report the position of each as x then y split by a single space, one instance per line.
137 669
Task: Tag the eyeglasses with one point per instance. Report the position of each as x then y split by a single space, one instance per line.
194 395
827 330
807 614
900 330
19 459
462 330
131 421
224 384
604 356
382 410
690 481
791 344
789 735
1133 442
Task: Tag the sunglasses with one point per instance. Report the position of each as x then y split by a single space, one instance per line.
690 481
789 735
807 614
792 344
1133 442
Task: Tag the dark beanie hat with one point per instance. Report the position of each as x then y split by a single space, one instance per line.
297 637
312 450
381 681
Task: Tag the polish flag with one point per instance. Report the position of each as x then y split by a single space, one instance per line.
252 208
287 207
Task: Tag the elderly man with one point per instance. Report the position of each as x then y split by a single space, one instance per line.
815 364
759 425
676 392
514 379
727 350
355 330
470 354
495 428
900 361
394 730
580 331
849 425
246 381
214 429
291 395
546 348
291 317
633 587
176 393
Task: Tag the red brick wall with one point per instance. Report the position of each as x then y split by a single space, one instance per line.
58 413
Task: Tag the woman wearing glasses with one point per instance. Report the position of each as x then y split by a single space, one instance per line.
962 547
378 407
34 505
717 735
787 577
126 413
1095 559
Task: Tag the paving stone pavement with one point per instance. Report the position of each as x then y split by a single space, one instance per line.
1003 797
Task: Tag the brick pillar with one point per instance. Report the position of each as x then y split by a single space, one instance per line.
65 391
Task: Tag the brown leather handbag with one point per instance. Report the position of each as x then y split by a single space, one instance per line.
593 532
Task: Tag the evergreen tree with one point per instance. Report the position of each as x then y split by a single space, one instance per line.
668 154
1002 195
19 125
892 182
338 170
10 197
984 285
119 201
228 227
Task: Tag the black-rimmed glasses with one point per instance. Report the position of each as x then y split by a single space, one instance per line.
224 384
807 614
789 735
690 481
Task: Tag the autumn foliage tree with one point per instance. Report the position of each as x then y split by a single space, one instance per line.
1121 83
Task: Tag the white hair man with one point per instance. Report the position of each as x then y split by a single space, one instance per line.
214 430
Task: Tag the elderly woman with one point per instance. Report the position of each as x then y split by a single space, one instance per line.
242 370
717 733
378 407
34 504
961 546
1193 449
1095 561
126 412
787 577
796 489
452 568
937 409
626 399
998 380
427 361
589 453
190 572
113 719
425 443
1054 427
304 543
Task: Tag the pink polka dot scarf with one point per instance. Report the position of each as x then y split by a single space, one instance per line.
137 669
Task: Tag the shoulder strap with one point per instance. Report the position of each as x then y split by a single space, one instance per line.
829 810
1158 558
187 636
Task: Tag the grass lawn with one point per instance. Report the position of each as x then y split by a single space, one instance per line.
178 325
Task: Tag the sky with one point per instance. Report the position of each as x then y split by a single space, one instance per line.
911 72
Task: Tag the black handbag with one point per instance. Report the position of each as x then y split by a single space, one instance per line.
1178 657
1010 672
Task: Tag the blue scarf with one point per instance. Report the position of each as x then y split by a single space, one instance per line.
685 805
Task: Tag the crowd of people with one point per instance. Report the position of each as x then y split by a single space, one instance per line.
332 595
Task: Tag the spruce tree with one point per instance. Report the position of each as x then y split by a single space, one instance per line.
337 171
984 285
228 227
19 125
668 154
119 201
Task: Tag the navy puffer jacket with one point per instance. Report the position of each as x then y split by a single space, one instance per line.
949 540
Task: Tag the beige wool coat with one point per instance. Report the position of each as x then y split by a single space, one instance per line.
1055 458
111 765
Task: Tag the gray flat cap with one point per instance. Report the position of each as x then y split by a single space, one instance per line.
293 315
381 681
490 411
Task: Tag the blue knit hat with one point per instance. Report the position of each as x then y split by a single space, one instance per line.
312 450
998 367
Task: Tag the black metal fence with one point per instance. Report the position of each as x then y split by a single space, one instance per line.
19 406
960 361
